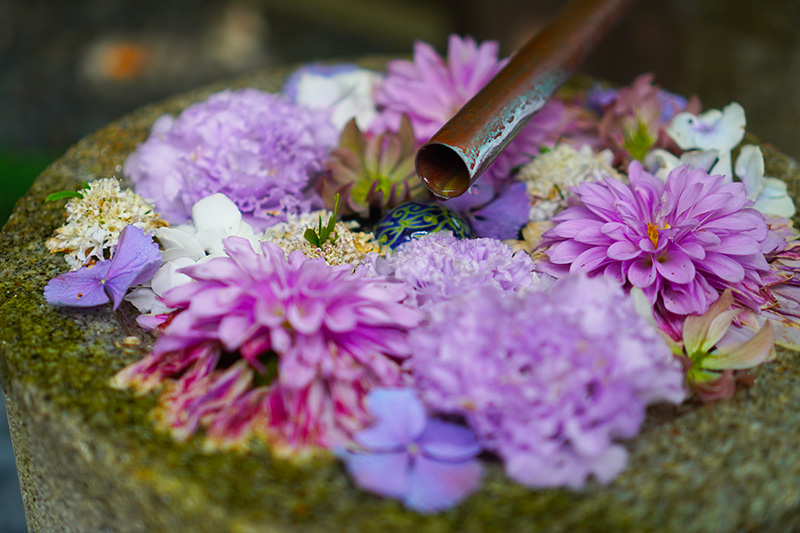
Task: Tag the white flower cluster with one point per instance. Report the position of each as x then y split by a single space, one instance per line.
95 221
350 247
550 175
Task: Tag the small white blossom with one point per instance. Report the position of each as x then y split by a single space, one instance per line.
214 218
344 91
550 175
770 195
714 130
95 221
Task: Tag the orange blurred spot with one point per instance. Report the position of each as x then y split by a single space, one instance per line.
124 61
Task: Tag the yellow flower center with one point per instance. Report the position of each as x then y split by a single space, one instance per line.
652 232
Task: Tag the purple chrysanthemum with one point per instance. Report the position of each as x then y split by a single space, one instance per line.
683 242
257 148
547 380
439 266
430 90
330 334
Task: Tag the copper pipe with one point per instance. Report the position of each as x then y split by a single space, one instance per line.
455 156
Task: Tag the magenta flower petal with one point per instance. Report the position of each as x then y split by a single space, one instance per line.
623 250
724 266
675 266
259 306
642 272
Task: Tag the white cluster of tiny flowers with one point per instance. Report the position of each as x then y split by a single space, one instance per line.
550 175
95 221
350 247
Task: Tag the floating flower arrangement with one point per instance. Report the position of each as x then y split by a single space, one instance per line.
302 287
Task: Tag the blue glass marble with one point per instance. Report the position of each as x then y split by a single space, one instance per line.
413 219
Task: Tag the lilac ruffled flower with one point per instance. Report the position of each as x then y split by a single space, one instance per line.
683 242
332 334
427 463
431 89
136 260
547 380
258 149
438 267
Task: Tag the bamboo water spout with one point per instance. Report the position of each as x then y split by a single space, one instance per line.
455 156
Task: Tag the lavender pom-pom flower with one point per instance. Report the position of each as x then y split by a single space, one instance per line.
258 149
427 463
439 267
547 380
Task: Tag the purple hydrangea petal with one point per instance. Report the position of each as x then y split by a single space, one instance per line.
400 419
437 485
386 474
503 217
136 260
446 441
82 288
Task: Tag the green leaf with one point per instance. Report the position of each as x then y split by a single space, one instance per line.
63 194
638 143
319 237
311 237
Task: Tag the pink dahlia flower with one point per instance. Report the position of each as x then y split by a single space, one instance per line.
683 242
258 149
431 89
321 336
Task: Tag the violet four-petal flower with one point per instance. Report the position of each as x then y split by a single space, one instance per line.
136 260
427 463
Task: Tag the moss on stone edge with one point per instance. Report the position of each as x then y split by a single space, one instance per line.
723 467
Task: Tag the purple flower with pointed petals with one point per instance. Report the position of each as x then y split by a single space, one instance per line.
427 463
332 334
136 260
430 89
683 242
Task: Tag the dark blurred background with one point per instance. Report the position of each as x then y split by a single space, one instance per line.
68 68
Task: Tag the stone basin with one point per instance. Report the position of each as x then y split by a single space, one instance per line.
89 458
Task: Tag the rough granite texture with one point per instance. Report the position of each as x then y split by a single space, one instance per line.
89 459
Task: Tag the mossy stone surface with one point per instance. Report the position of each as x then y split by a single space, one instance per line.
89 458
